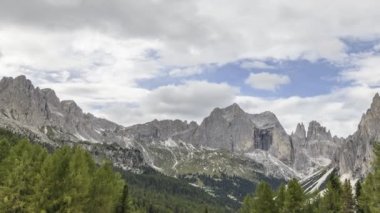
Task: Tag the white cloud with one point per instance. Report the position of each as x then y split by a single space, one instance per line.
197 32
184 72
366 71
97 51
340 111
191 100
267 81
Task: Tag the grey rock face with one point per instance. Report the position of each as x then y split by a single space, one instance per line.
356 154
235 130
314 150
161 130
61 120
317 132
42 117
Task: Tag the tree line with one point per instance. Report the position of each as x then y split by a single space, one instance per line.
338 197
67 180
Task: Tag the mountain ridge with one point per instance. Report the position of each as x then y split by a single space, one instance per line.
228 141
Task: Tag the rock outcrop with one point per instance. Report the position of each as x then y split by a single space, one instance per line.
314 149
59 120
356 154
237 131
41 116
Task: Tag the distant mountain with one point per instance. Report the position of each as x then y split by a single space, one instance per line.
229 142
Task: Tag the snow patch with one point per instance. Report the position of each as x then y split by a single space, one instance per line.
170 143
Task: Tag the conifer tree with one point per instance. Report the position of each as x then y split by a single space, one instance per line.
347 199
331 201
262 202
125 202
358 190
280 198
294 198
19 172
247 206
369 200
110 185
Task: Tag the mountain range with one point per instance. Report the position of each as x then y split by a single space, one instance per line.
228 143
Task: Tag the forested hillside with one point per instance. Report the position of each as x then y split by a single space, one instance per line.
336 198
68 180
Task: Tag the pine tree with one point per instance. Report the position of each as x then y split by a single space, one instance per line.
262 202
369 199
358 190
331 201
110 185
347 199
366 195
280 198
68 180
125 202
294 198
19 172
5 147
247 206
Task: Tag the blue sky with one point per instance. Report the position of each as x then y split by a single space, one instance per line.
306 78
135 61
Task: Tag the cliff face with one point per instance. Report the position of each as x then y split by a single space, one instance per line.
357 153
314 149
41 116
235 130
61 120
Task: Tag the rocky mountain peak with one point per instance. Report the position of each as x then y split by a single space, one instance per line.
317 132
357 153
234 108
375 106
369 122
300 131
18 83
229 113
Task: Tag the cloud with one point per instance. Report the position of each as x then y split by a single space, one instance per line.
267 81
340 111
184 72
197 32
193 99
366 71
97 51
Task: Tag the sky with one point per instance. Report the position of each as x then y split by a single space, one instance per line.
135 61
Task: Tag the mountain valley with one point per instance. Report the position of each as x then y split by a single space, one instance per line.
228 151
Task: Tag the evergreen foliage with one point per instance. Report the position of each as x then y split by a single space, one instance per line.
294 198
262 202
348 204
332 200
155 192
369 196
336 198
280 199
67 180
